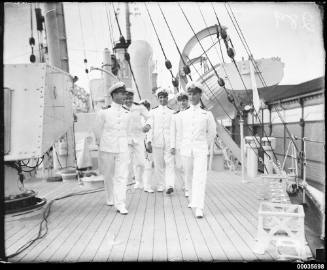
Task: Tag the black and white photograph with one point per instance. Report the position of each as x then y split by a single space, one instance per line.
163 132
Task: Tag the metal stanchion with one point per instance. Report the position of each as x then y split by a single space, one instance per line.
242 149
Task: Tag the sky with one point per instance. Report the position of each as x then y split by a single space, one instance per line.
291 31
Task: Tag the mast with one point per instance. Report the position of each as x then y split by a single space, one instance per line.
56 35
128 24
58 57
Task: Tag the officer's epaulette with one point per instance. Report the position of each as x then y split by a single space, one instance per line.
203 108
125 108
135 103
155 107
177 112
169 108
187 108
106 107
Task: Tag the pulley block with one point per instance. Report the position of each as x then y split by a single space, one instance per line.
175 82
127 56
221 82
231 52
186 69
168 64
223 33
31 41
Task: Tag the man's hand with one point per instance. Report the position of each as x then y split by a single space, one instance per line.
97 141
146 128
149 147
173 151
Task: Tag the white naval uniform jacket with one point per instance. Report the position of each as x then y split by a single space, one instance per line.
138 116
176 130
198 130
111 129
160 121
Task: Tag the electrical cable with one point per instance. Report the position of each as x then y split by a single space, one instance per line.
45 215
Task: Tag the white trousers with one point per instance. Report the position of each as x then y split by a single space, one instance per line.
137 160
179 166
195 167
114 167
148 171
164 167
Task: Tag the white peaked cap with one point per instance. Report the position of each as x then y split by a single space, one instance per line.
130 90
192 85
116 86
161 90
144 100
181 93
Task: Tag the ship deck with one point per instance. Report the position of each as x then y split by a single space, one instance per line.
159 227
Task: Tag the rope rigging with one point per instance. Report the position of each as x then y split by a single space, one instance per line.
251 130
247 48
205 23
32 39
186 67
221 81
231 54
167 61
110 28
218 38
85 59
127 56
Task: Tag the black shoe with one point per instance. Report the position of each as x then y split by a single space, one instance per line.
170 190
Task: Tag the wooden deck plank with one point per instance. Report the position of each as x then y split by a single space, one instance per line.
29 230
187 246
173 243
210 238
229 224
146 246
88 234
226 243
158 227
122 237
16 227
109 239
109 236
245 229
202 251
55 220
81 229
98 236
159 242
134 240
66 229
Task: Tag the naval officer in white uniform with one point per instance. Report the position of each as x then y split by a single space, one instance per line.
159 142
111 135
176 134
136 136
198 132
